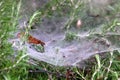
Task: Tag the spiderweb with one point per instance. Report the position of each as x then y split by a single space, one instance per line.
89 40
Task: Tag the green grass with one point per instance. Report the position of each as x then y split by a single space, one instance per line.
17 68
11 67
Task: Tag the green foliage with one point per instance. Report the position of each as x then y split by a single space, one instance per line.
39 48
70 36
12 66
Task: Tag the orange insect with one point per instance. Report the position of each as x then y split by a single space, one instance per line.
31 39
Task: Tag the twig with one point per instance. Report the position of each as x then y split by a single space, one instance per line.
48 72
